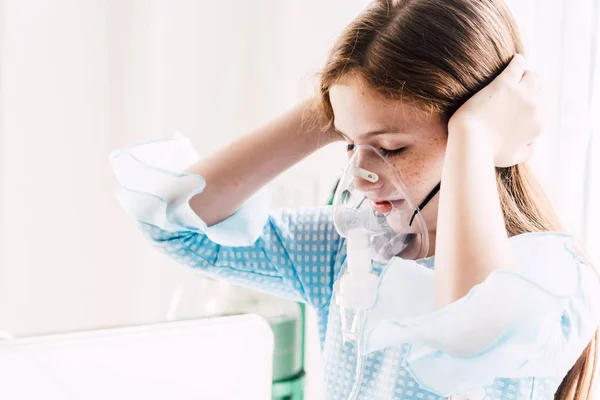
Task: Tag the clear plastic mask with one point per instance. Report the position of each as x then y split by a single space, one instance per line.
372 196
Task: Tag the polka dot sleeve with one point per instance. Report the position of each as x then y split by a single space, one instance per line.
289 253
516 324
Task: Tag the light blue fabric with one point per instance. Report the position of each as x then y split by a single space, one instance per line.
522 352
534 322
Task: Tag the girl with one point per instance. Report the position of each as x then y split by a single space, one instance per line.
441 90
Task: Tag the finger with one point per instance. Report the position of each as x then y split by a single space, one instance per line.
513 73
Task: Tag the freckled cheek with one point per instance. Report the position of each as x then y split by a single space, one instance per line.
421 173
415 175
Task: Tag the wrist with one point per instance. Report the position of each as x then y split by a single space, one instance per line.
314 126
471 135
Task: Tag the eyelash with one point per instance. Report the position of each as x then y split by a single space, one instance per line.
384 152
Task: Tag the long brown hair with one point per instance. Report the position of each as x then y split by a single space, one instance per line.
437 54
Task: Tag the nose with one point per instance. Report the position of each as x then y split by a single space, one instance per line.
364 170
366 175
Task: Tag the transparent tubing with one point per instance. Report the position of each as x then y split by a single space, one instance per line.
357 289
360 360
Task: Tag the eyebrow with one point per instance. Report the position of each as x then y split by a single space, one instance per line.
370 133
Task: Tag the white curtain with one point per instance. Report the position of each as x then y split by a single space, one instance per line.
562 41
80 78
591 227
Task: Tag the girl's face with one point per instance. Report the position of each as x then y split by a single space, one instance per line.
413 140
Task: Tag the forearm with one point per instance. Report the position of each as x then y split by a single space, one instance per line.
471 237
236 172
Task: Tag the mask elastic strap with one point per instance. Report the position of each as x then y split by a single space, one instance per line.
421 206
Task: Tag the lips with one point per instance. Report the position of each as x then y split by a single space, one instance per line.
383 207
386 206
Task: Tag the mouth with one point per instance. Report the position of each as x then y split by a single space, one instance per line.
386 206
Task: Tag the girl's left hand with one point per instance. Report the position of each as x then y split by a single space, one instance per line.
508 112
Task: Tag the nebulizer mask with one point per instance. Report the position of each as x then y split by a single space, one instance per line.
373 210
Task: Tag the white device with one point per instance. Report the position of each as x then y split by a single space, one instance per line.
225 358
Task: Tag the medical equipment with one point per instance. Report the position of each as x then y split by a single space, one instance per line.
215 298
356 294
372 196
375 212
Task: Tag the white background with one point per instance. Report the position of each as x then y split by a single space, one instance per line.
80 78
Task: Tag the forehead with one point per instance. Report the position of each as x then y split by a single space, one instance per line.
359 110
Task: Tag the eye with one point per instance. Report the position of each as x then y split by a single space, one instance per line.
350 147
392 153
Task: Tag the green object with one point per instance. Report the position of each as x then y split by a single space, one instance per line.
330 201
289 389
302 341
288 370
287 324
287 351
